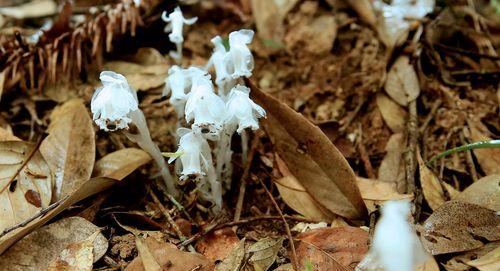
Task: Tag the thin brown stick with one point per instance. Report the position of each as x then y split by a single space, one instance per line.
25 162
410 158
295 263
468 159
435 106
165 212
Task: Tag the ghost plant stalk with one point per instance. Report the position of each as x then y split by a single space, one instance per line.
175 24
115 106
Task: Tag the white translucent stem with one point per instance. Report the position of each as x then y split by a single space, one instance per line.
244 147
216 189
143 139
223 156
178 54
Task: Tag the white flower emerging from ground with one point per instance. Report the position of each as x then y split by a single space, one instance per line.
113 102
206 108
395 246
195 154
175 25
223 69
239 55
241 110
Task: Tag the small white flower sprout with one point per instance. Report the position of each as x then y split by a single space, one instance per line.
239 55
115 106
395 247
241 110
113 102
175 25
223 69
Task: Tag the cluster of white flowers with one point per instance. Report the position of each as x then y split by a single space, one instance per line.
213 115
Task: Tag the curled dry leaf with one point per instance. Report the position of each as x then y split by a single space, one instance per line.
76 256
458 262
402 83
459 226
432 187
484 192
365 10
31 188
489 159
70 147
119 164
311 157
340 248
296 196
392 113
88 188
217 245
391 168
264 252
375 192
147 258
167 257
488 262
234 260
41 247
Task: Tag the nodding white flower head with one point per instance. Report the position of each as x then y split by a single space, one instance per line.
241 110
395 247
219 60
195 154
112 103
240 56
176 21
206 108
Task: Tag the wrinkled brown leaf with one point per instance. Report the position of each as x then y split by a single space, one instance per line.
339 248
484 192
70 147
489 158
168 257
217 245
392 113
146 255
264 252
76 256
402 83
234 260
119 164
30 191
311 157
41 247
459 226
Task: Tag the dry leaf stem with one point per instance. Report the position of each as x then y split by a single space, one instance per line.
410 156
287 227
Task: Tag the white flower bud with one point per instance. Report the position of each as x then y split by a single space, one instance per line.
219 60
112 103
195 155
176 21
241 110
206 108
239 55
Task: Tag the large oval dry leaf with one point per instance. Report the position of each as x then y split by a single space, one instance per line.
459 226
89 188
119 164
76 256
70 146
402 82
392 113
217 245
30 190
234 260
489 159
39 248
264 252
391 168
312 158
484 192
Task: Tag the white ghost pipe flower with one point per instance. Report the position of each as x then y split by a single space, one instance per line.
196 160
178 84
175 24
239 56
115 106
223 69
206 108
395 247
241 110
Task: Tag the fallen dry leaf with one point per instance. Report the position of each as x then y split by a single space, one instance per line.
339 248
393 114
119 164
76 256
402 83
31 9
269 16
234 260
489 158
264 252
429 265
365 10
391 168
375 192
31 189
484 192
315 37
147 258
431 186
168 257
41 247
311 157
459 261
459 226
70 147
6 135
488 262
217 245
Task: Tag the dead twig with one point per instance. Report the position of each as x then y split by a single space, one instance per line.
410 157
365 158
435 106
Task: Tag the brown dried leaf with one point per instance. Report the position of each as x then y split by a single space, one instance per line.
269 16
76 256
264 252
70 147
459 226
32 9
119 164
146 255
168 257
429 265
311 157
315 37
489 159
402 82
234 260
365 10
391 168
488 262
339 248
431 186
379 191
38 249
17 203
392 113
6 135
484 192
2 82
458 262
217 245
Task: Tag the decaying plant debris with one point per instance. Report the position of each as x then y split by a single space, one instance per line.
357 99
